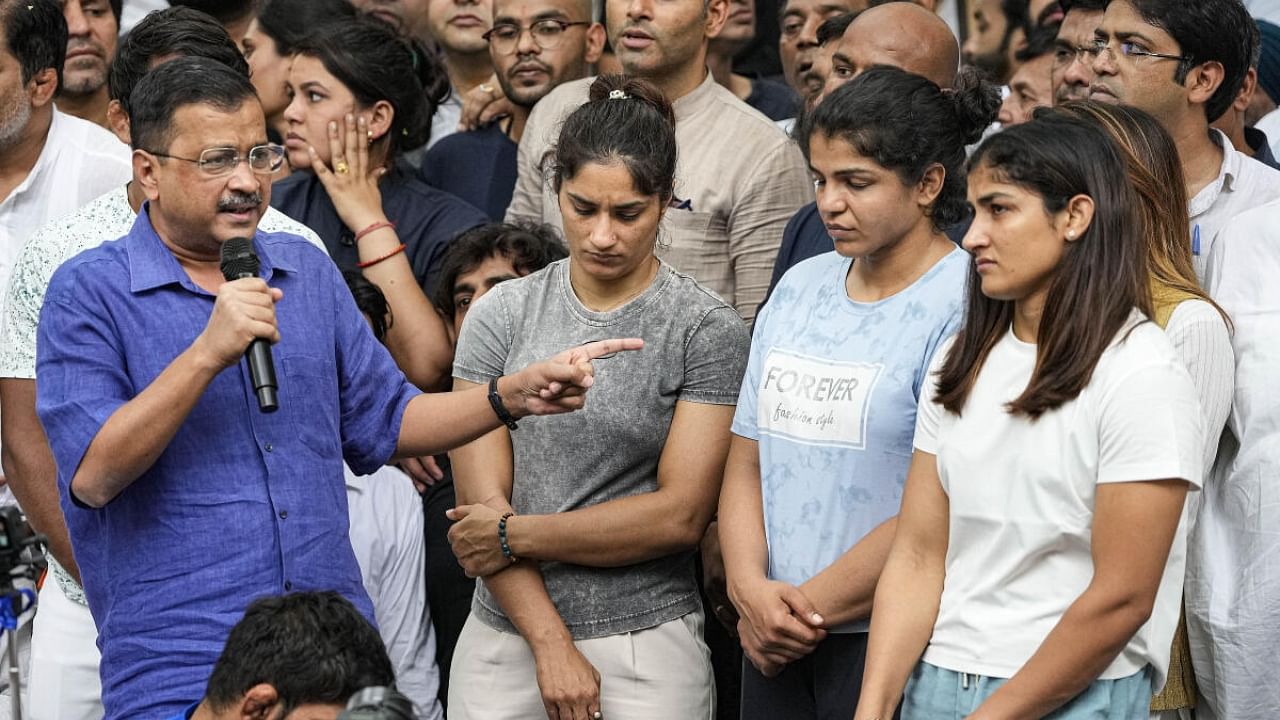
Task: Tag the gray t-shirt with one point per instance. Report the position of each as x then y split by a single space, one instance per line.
695 350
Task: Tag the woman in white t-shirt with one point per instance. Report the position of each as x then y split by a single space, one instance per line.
1038 557
1197 327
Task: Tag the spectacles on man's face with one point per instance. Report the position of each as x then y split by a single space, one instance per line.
215 162
1129 50
546 33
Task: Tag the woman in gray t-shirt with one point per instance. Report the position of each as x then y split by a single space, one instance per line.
583 527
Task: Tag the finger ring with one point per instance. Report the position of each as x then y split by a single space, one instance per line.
596 715
341 167
486 87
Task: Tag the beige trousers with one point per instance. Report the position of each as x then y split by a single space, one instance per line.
663 672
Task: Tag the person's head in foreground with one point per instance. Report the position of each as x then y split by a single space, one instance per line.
295 657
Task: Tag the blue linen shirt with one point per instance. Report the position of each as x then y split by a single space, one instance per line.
240 504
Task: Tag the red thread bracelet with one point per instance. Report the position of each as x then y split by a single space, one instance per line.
373 227
371 263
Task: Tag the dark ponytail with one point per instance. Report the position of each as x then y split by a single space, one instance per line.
907 124
289 22
375 63
627 120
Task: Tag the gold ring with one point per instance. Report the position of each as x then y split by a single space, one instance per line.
487 88
341 167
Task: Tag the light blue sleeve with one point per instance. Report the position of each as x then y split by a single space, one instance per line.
744 417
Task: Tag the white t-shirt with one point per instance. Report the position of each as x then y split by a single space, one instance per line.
1022 496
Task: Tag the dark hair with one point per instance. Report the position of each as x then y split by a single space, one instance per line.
117 7
1041 41
1151 159
288 22
1017 15
375 63
312 647
1219 31
1083 5
371 301
175 31
626 119
36 34
529 247
224 11
1100 279
834 27
907 124
180 82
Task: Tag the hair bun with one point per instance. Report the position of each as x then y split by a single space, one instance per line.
976 102
615 88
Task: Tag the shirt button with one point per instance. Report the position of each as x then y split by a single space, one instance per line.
269 447
288 585
284 514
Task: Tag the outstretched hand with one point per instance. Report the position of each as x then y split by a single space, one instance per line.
559 385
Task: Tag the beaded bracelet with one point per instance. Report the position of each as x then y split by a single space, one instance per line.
502 538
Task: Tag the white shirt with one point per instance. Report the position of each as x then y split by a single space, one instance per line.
1242 184
1022 496
135 10
387 535
1233 568
1200 337
79 162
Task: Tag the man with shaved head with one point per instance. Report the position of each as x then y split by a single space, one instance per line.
900 34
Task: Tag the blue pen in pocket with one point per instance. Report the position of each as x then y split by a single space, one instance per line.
1195 240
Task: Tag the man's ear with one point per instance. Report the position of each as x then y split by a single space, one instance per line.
717 14
595 43
1204 80
144 171
42 87
119 121
258 702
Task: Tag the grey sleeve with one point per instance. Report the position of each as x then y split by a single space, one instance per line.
715 358
485 340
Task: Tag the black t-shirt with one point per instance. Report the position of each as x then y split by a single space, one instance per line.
478 166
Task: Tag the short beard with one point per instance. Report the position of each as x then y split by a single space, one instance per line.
13 121
85 84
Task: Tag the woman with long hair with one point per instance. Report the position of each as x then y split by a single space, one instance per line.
1197 327
585 532
822 433
1038 554
359 95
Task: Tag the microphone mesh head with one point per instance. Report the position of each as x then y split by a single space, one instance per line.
238 259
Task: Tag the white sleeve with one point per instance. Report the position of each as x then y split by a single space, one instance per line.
929 412
1149 420
1200 337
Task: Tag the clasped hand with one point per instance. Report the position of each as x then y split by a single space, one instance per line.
778 625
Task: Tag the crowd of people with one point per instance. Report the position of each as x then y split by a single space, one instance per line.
642 359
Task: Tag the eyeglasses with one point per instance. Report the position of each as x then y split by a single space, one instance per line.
1130 50
262 159
546 33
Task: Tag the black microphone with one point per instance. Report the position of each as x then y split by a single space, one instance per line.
239 261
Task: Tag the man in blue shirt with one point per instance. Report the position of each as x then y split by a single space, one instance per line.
536 46
184 501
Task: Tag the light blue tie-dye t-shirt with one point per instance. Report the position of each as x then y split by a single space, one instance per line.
830 395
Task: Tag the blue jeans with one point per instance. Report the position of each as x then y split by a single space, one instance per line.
936 694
